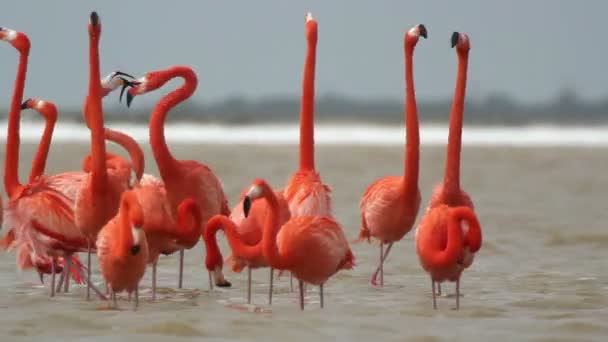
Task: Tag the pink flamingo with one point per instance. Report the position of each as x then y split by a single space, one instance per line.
290 249
390 205
449 191
182 178
122 248
443 248
245 237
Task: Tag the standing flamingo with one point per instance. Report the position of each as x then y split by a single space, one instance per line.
305 192
443 248
245 237
449 192
122 248
98 197
312 248
182 178
390 205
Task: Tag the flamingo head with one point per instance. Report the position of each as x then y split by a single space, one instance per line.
46 108
412 36
115 80
94 24
18 40
311 28
150 82
460 41
259 188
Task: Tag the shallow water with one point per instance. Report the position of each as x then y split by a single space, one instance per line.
540 275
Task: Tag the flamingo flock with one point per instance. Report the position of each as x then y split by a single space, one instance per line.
128 218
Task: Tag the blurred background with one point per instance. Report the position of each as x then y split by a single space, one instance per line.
531 62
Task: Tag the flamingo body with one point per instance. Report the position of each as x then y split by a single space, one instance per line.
307 195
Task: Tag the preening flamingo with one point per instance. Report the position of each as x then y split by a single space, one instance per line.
390 205
98 197
245 238
305 192
182 178
444 248
312 248
122 248
449 191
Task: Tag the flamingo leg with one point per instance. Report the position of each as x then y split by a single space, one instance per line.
52 278
439 289
270 291
88 269
154 281
290 282
136 304
41 275
321 295
433 290
210 281
66 285
129 297
380 267
181 269
248 285
114 298
301 295
458 294
93 287
61 280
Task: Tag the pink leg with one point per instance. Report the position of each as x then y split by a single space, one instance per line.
89 270
380 268
301 295
68 266
321 294
136 298
248 285
290 282
61 280
52 278
181 269
210 281
270 291
439 289
154 281
458 294
434 298
91 286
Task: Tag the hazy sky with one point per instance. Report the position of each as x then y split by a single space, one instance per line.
528 49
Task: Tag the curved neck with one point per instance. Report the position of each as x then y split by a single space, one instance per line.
189 223
125 238
167 164
271 229
453 250
11 165
39 162
307 109
99 176
214 256
128 143
473 237
412 145
452 167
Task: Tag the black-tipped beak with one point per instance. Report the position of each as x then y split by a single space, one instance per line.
25 104
120 73
455 38
126 84
423 32
246 205
94 18
224 283
129 98
135 249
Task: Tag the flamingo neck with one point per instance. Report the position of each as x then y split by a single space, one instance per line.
128 143
239 248
167 164
39 163
473 237
125 238
454 247
307 109
271 229
189 223
452 168
99 176
412 144
11 166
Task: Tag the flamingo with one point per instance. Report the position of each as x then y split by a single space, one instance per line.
305 193
122 248
164 234
443 249
182 178
98 196
290 249
245 237
390 205
449 191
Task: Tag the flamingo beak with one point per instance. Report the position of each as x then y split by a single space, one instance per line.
129 98
135 249
455 38
25 104
94 18
423 32
246 205
126 84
